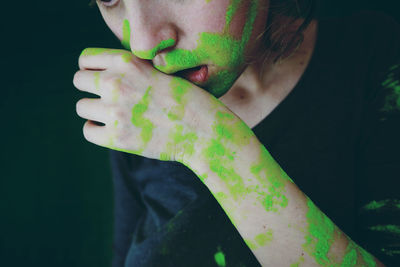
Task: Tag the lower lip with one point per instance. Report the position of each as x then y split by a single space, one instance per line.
197 76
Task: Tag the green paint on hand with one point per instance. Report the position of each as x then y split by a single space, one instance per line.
220 258
126 35
181 145
140 121
125 55
97 80
151 53
264 238
320 234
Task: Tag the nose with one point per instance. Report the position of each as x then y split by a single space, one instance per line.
148 32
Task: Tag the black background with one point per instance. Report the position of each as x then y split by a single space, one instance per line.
55 187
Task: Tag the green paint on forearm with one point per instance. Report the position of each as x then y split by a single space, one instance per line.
389 228
151 53
126 35
219 258
319 237
350 257
297 264
273 178
140 121
179 88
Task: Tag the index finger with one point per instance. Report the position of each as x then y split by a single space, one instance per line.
101 58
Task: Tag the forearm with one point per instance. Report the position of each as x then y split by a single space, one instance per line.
278 222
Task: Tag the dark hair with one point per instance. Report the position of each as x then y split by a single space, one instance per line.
280 40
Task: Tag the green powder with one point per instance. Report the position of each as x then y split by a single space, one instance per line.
297 264
320 234
368 258
126 56
220 258
126 35
140 121
97 80
219 49
350 257
390 228
250 244
392 83
182 143
264 238
179 88
151 53
386 203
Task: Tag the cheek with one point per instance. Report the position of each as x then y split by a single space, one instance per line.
237 19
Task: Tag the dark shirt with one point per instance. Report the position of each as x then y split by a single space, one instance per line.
337 135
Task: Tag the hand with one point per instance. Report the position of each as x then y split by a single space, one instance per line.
144 111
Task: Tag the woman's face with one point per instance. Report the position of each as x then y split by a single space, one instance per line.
212 36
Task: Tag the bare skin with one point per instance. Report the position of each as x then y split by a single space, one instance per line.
149 112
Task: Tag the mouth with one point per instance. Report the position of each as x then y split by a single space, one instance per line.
197 74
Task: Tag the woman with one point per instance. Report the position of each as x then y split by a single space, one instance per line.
306 113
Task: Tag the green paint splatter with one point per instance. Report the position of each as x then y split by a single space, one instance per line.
250 244
297 264
97 80
219 49
151 53
125 55
220 258
115 123
320 234
387 203
392 83
389 228
126 35
140 121
181 145
273 178
367 258
264 238
350 257
179 88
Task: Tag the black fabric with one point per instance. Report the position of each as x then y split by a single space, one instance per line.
336 135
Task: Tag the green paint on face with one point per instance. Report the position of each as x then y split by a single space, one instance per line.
389 228
232 8
140 121
392 83
151 53
264 238
320 234
220 258
97 80
350 257
179 88
126 35
219 49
